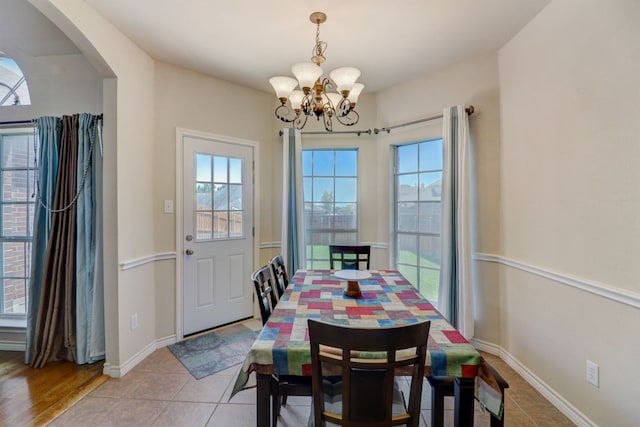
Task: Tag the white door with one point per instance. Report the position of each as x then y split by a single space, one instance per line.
217 232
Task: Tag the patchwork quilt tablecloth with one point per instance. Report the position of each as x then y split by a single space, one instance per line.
388 299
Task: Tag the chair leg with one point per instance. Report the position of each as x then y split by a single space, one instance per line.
284 400
437 407
275 402
495 422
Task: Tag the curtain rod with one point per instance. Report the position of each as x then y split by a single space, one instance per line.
28 122
16 122
469 111
359 132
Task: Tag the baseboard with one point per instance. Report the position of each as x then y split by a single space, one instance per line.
13 346
543 388
118 371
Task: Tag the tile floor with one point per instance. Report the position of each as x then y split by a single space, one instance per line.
161 392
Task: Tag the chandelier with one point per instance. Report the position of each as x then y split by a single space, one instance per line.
311 94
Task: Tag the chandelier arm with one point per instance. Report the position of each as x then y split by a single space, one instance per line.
344 107
300 121
326 118
350 119
283 112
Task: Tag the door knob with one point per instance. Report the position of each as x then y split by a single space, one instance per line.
189 251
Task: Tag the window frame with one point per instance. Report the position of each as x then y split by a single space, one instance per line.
322 261
396 233
8 318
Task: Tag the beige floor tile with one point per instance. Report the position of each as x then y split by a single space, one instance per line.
161 360
133 413
233 415
207 389
185 414
89 411
143 385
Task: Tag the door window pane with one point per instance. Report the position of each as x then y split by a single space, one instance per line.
219 197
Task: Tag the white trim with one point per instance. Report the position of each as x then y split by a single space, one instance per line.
126 265
549 393
615 294
13 346
118 371
269 245
181 133
376 245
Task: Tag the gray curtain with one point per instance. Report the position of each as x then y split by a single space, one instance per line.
62 291
455 299
292 239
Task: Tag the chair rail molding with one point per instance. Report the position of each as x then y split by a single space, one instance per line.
615 294
137 262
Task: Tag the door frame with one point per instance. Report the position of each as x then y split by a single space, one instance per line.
181 133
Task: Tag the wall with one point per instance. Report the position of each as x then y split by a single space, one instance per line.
58 84
128 174
190 100
474 82
570 205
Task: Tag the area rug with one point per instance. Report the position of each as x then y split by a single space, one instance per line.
214 351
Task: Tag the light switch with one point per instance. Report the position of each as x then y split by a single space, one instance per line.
168 206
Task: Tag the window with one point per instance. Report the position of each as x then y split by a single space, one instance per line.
16 216
13 86
330 202
418 182
219 207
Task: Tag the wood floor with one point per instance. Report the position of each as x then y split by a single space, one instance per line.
33 397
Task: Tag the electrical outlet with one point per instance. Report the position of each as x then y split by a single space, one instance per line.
592 373
134 321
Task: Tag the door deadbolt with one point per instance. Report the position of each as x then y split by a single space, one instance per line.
189 237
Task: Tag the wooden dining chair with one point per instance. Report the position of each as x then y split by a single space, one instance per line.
279 274
265 291
444 386
362 390
350 257
281 385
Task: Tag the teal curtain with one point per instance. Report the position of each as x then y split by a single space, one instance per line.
65 315
292 240
48 129
455 298
89 289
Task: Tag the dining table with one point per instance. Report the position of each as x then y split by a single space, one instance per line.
386 299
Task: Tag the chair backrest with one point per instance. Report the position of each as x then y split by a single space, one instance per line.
279 274
265 291
350 256
367 384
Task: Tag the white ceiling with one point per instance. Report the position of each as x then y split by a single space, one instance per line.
249 41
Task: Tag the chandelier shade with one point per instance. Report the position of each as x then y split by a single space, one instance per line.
283 86
311 94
